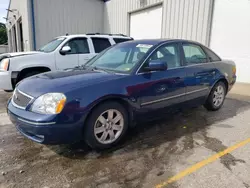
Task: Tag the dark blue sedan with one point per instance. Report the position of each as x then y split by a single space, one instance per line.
128 82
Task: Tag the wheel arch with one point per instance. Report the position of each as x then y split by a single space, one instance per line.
119 99
224 80
28 69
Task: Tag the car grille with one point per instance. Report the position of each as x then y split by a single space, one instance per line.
20 99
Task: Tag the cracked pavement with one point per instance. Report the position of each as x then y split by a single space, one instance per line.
152 153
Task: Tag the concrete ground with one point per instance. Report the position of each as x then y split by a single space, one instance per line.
152 153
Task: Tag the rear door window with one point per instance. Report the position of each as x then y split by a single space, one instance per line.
120 40
100 44
194 54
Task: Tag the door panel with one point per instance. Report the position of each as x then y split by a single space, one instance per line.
88 52
83 58
66 61
200 73
198 80
161 89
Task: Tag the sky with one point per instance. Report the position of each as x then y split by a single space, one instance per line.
3 6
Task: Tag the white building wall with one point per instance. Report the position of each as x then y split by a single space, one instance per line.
186 19
58 17
3 49
22 8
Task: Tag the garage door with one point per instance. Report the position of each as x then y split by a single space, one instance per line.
230 36
146 24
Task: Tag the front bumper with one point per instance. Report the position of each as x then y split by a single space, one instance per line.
5 80
42 131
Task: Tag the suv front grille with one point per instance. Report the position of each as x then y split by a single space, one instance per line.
20 99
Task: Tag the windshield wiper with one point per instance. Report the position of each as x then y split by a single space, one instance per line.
95 68
81 67
99 69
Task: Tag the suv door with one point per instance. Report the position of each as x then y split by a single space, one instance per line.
79 46
200 72
163 88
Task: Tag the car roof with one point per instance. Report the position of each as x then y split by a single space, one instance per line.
96 35
159 41
144 41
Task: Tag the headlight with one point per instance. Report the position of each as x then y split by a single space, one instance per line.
5 64
50 103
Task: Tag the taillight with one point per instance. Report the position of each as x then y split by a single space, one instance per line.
234 70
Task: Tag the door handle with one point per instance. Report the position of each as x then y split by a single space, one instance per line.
199 75
213 72
177 79
204 74
161 88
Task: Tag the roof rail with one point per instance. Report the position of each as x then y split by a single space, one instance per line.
107 34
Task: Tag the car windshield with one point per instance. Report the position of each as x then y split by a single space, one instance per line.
52 45
120 58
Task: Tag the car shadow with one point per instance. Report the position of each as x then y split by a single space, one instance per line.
168 129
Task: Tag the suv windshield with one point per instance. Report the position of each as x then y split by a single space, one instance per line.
120 58
52 45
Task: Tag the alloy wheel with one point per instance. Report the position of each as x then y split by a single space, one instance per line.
109 126
219 95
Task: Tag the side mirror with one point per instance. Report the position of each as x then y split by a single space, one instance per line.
156 65
65 50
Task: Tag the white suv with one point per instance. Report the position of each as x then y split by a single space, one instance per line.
61 53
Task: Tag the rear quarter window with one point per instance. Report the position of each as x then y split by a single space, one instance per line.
211 55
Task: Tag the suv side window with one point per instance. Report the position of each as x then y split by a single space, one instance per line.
211 55
194 54
120 40
78 46
100 44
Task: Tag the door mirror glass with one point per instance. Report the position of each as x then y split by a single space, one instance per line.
65 50
156 65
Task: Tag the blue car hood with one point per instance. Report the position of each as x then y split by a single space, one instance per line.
62 81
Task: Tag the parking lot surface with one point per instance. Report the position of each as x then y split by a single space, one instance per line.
151 155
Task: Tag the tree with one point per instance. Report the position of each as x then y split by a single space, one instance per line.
3 34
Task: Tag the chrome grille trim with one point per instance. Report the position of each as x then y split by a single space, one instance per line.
26 94
30 99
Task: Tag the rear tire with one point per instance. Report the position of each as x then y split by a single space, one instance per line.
216 97
106 126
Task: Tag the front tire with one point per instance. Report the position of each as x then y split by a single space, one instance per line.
106 126
216 97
